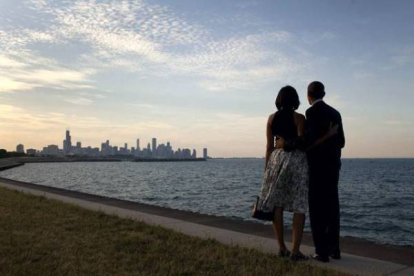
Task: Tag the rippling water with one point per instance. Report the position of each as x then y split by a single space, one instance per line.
377 195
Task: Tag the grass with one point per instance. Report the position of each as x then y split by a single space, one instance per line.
39 236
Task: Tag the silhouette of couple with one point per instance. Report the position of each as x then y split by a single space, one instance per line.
303 159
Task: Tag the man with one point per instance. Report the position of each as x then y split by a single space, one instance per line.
324 165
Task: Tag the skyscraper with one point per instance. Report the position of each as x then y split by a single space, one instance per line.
67 143
138 148
205 153
154 146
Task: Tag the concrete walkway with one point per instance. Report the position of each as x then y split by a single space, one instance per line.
400 261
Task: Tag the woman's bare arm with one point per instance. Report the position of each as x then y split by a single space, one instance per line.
270 145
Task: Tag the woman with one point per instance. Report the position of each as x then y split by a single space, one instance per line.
285 183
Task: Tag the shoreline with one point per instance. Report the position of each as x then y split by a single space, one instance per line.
4 163
403 255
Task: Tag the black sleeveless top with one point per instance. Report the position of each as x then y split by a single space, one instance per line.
283 125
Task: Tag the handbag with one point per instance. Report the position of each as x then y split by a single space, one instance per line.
259 214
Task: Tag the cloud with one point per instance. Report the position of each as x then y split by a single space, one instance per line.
6 62
25 71
155 41
9 85
79 101
146 106
17 118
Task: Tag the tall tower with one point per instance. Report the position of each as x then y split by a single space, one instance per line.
154 146
205 153
67 143
138 148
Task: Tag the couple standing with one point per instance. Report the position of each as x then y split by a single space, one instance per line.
302 171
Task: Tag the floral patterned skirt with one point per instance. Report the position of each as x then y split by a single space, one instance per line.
285 182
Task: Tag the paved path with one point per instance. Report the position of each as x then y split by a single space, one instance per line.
400 261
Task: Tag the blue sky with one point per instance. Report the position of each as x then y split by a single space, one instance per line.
203 73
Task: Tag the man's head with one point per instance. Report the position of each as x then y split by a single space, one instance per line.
316 91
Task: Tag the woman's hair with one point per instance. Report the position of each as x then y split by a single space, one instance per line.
287 99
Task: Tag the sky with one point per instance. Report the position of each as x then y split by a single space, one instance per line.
203 73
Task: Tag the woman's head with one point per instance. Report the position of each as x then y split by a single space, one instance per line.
287 99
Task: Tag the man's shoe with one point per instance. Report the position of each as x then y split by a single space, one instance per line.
319 258
336 256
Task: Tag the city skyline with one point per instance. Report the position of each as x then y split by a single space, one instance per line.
203 72
153 150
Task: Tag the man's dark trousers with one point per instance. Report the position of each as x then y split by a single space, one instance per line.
324 209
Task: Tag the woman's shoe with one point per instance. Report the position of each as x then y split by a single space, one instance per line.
299 257
283 253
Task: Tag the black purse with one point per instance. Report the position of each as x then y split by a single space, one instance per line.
261 215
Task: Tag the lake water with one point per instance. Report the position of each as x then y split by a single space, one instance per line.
376 195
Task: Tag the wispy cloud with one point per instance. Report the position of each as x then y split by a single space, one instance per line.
25 71
154 40
142 105
79 101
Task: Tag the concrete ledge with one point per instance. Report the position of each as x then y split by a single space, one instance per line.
245 234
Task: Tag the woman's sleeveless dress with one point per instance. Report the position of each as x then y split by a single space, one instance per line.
286 179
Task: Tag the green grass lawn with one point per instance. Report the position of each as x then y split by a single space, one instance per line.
39 236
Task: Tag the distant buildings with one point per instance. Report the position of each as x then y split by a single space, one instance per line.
31 152
52 150
162 151
20 148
